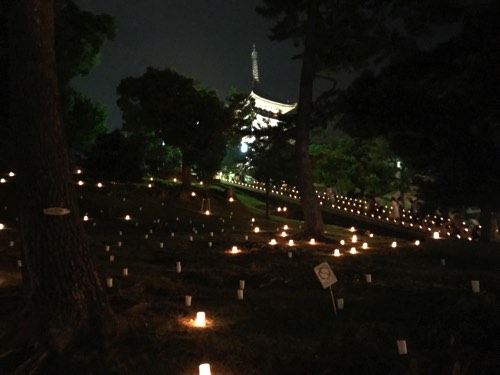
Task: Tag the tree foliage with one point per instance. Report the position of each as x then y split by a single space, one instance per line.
80 36
180 113
353 165
117 158
439 110
85 120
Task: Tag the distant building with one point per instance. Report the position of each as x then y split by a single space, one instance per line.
267 110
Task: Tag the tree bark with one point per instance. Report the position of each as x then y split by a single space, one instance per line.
313 219
186 174
489 225
64 297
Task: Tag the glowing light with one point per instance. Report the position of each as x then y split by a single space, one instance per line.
151 179
2 226
353 250
312 241
175 180
417 242
3 180
342 242
394 244
150 186
353 229
284 208
256 230
435 235
273 242
235 250
204 369
283 234
207 212
291 243
200 319
336 253
78 171
231 199
127 217
279 209
80 183
285 227
354 239
365 245
85 218
193 194
253 220
99 185
11 174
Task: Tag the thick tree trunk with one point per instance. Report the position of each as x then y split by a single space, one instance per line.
268 194
313 220
186 174
489 225
64 298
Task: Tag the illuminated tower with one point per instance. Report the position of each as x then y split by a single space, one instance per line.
255 66
267 110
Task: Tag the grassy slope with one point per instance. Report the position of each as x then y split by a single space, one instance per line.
285 324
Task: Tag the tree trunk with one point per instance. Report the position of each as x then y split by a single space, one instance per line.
268 193
313 220
186 174
489 225
64 297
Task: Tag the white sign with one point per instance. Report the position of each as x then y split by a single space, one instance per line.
325 274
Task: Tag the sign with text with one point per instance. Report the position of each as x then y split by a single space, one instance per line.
325 274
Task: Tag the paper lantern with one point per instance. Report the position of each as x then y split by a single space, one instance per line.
435 235
336 253
204 369
200 320
291 243
353 250
273 242
365 245
312 241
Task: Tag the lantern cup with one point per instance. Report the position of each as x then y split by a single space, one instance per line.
475 286
240 294
443 262
340 303
242 284
368 278
178 267
204 369
200 319
187 301
125 272
109 282
402 349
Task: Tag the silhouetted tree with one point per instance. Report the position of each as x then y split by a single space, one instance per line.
178 112
64 300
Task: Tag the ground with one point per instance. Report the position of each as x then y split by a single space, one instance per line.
285 323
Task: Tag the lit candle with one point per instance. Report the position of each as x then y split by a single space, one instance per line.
200 319
204 369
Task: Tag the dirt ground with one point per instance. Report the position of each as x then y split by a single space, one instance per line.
285 323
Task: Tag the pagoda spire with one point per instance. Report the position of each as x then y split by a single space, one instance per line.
255 67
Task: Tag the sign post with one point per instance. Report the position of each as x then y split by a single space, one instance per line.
327 278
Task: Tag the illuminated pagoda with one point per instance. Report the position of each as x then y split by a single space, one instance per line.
267 110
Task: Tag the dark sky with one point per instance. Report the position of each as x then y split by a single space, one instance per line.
207 40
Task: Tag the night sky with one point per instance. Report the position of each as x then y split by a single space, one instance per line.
207 40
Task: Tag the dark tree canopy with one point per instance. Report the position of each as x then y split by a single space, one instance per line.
80 36
178 112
